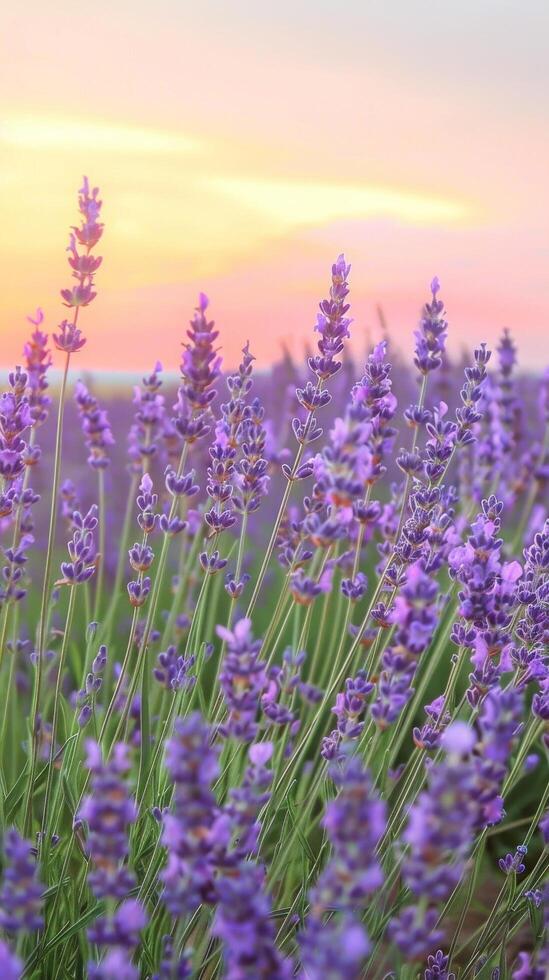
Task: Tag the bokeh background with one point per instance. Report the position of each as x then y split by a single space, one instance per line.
241 145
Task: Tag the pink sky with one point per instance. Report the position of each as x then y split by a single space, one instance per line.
241 146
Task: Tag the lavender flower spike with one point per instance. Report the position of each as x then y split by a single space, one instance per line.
188 831
21 892
242 679
332 324
11 967
354 822
431 334
95 426
246 929
108 811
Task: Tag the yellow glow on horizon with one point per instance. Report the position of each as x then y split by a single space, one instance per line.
298 203
50 132
176 207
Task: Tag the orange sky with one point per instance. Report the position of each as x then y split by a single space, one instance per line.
241 146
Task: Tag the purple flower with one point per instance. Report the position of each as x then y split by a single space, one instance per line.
352 461
219 485
21 891
349 709
487 598
200 368
212 564
416 617
69 500
180 486
513 863
440 829
432 332
437 967
245 927
354 823
95 426
305 589
13 571
239 823
84 266
108 810
138 591
251 477
148 421
11 967
237 475
172 670
37 364
242 679
332 324
171 967
459 739
120 932
188 831
373 401
91 229
439 835
335 950
81 549
500 723
15 419
141 557
526 969
69 339
115 965
468 415
354 589
414 931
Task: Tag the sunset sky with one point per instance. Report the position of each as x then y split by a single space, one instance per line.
240 146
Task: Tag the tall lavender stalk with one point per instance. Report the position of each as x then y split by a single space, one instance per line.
333 326
69 340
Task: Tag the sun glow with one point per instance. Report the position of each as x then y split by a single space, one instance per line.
303 203
51 132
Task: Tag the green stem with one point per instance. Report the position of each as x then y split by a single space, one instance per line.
55 719
282 508
37 690
122 557
102 538
406 494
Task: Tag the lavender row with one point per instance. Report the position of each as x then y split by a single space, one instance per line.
273 658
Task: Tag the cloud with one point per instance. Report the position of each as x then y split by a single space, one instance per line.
50 132
299 203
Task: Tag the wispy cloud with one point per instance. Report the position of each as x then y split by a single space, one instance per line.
51 132
294 203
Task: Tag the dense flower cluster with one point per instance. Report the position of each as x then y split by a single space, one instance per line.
148 422
431 334
333 776
107 811
95 427
245 927
242 679
37 364
21 891
200 368
354 822
415 618
188 831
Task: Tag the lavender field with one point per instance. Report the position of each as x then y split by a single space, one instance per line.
273 655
